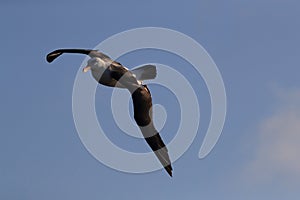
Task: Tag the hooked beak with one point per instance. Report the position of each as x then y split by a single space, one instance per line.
86 69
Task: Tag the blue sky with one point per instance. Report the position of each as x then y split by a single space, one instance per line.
255 44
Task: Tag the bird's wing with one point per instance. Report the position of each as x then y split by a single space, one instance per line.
142 105
92 53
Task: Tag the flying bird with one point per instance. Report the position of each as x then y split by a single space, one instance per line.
113 74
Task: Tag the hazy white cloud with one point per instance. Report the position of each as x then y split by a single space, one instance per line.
277 155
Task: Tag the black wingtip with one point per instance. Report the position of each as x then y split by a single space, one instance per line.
52 56
169 170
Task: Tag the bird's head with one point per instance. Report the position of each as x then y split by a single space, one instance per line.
95 64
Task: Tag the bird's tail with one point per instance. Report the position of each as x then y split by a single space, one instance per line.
145 72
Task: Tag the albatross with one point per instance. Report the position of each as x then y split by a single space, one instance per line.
113 74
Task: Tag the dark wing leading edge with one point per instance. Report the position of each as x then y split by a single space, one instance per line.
142 104
92 53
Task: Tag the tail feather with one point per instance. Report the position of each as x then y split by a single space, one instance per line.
145 72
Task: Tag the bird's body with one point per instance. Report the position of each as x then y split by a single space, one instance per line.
101 71
111 73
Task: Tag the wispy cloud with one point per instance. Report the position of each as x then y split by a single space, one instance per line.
277 155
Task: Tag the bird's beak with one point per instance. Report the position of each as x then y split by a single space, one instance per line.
86 69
